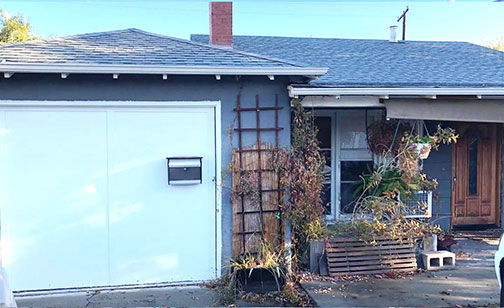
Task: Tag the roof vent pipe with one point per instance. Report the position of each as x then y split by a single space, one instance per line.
393 34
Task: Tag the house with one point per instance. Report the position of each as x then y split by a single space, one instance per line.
99 130
456 83
87 123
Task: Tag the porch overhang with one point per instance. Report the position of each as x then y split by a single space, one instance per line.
463 110
442 104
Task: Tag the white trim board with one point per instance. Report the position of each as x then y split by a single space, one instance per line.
298 91
106 104
10 68
218 192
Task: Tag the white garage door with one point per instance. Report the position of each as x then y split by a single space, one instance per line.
85 200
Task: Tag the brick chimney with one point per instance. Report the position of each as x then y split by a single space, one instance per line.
221 23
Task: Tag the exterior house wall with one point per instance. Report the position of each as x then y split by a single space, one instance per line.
51 87
438 166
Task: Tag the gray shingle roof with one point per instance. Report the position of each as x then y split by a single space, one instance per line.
131 47
379 63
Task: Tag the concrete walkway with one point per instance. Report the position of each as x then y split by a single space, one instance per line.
472 282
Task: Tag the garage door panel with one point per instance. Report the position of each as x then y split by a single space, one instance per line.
54 209
85 200
160 232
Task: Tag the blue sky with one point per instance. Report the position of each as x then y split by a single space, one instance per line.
476 21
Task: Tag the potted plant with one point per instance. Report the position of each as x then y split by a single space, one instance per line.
262 271
422 145
383 136
385 181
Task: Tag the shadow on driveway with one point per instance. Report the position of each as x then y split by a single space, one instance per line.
472 282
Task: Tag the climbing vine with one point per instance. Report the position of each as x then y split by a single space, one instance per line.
301 172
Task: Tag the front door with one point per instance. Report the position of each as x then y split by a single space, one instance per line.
476 175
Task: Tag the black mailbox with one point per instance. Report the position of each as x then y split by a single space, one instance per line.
184 170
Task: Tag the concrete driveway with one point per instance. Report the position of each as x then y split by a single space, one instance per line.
194 296
472 282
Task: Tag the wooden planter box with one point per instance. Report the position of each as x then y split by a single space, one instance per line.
260 280
352 256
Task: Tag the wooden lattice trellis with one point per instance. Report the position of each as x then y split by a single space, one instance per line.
259 216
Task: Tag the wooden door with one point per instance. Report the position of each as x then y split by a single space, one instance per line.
476 177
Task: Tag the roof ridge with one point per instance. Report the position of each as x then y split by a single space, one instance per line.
100 33
332 38
489 49
226 49
59 38
83 35
24 42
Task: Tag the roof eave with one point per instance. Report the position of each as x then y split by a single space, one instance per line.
158 69
302 91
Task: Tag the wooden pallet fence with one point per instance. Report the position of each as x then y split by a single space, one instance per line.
352 256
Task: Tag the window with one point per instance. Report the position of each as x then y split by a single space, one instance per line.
352 129
473 165
350 172
354 157
343 142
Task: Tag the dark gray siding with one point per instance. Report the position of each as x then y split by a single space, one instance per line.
438 166
183 88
